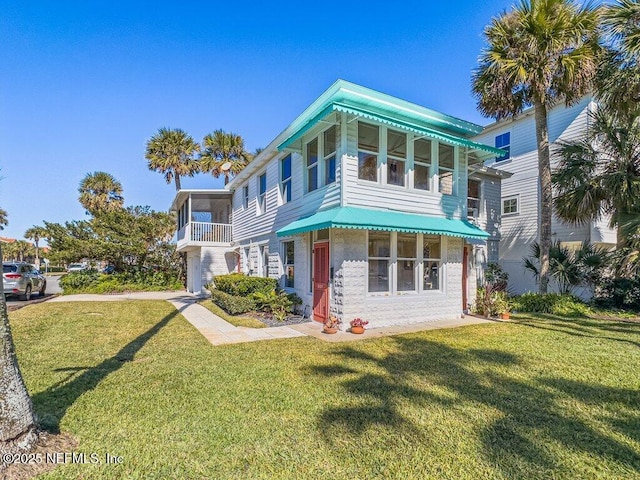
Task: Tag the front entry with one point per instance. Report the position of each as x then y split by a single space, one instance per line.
321 281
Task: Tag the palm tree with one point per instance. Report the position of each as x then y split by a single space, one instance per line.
171 152
36 233
4 221
539 53
600 175
100 192
18 429
221 148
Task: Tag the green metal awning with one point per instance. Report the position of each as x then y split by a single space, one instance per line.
387 220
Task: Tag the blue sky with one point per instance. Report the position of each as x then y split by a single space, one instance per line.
83 85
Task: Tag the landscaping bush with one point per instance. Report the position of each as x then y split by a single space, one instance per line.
90 281
552 303
232 304
243 285
79 280
620 293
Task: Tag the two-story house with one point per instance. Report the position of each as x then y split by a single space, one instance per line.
520 203
360 206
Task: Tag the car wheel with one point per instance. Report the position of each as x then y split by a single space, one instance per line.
27 293
44 287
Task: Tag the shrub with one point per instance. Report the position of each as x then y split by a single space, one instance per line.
79 280
243 285
90 281
278 303
621 293
491 301
496 276
552 303
232 304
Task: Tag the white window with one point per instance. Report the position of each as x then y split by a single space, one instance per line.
406 264
446 165
285 179
422 164
510 205
245 196
262 193
329 155
288 263
396 158
312 165
473 199
379 261
368 149
504 142
431 261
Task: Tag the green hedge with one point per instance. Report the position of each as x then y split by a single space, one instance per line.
553 303
242 285
90 281
232 304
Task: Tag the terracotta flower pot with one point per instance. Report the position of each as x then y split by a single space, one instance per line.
505 316
330 330
358 330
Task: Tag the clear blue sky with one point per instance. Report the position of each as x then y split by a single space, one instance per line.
83 85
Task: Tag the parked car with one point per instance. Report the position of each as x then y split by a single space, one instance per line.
22 279
109 269
76 267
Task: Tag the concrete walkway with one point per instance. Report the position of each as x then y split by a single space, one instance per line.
219 332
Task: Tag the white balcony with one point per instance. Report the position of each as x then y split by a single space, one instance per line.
203 234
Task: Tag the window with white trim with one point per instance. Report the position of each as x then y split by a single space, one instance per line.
285 179
379 261
288 263
510 205
396 158
368 149
473 199
262 193
329 154
422 164
504 142
431 262
406 264
312 165
245 196
446 166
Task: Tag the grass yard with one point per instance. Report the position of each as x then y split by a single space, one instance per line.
238 321
542 397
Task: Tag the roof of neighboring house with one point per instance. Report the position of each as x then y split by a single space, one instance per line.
364 102
7 239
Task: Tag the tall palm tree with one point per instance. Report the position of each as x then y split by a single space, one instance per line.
600 175
36 233
4 221
100 192
172 153
539 53
220 148
18 429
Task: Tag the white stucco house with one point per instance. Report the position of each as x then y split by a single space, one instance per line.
520 202
365 206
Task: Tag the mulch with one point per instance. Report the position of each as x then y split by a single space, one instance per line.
47 443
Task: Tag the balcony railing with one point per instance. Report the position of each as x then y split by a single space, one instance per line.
203 232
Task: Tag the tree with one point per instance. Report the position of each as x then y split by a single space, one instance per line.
18 428
36 233
100 191
221 148
171 152
22 250
4 221
539 53
600 175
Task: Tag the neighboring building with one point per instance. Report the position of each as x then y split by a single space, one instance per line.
360 207
520 203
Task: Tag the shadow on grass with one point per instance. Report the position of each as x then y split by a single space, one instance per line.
532 421
52 403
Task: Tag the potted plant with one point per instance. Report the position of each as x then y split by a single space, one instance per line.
502 307
357 325
332 324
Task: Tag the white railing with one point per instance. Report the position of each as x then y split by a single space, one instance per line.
208 232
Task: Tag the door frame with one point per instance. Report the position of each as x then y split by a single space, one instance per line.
322 244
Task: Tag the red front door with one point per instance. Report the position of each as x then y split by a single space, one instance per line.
321 281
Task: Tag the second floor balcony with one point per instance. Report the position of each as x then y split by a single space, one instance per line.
199 234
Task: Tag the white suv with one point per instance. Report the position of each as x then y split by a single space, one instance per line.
22 279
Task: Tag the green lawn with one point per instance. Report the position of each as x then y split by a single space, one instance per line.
238 321
536 398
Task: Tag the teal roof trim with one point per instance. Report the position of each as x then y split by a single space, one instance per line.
386 220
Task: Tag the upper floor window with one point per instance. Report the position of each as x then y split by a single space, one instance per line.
396 157
510 205
312 165
422 164
446 165
473 199
329 152
245 196
368 149
504 142
285 178
262 193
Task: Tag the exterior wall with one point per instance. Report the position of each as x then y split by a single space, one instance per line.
350 298
216 261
